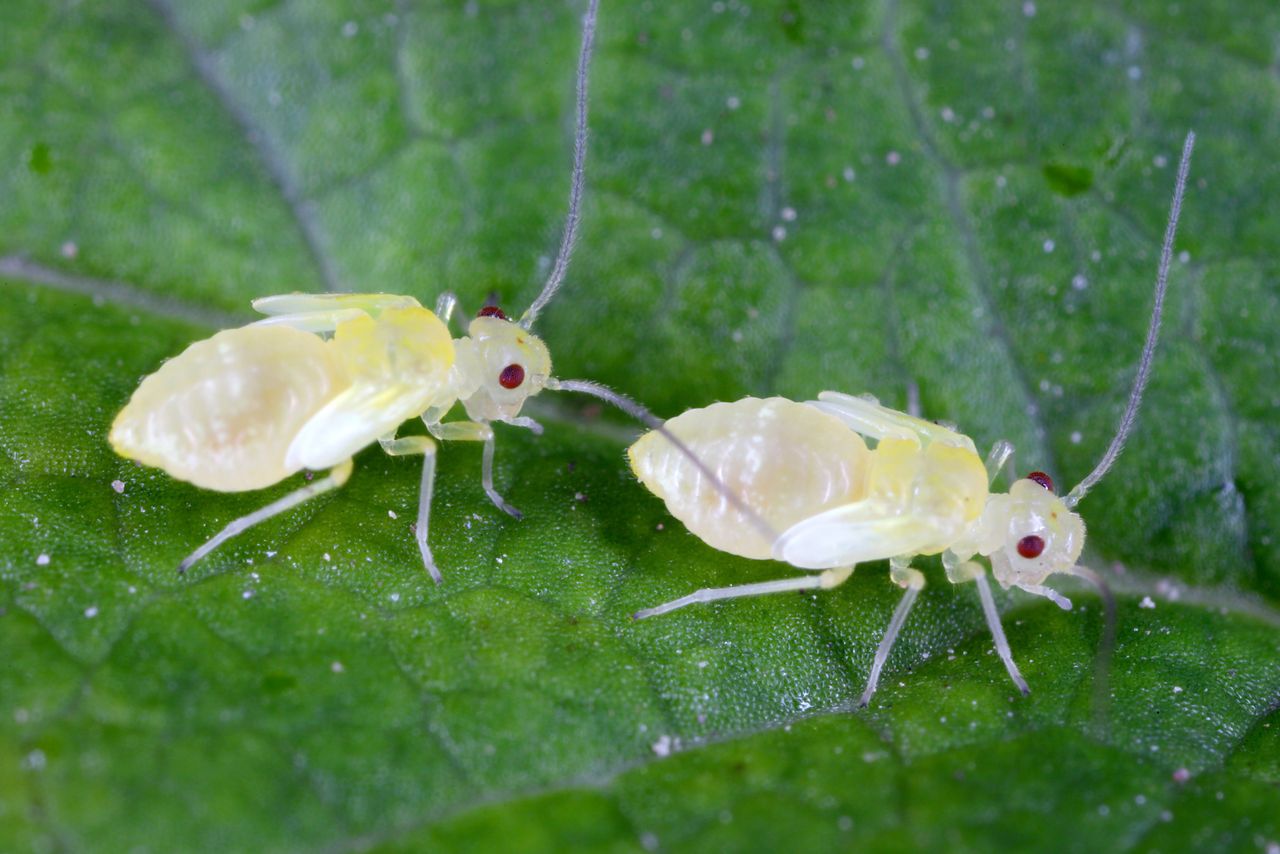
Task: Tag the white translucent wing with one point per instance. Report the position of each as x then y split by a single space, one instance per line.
866 416
354 419
312 321
852 534
309 303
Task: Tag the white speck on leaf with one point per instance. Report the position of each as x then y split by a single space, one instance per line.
42 560
91 611
1147 602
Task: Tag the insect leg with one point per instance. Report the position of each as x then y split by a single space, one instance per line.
447 305
336 477
1001 455
477 431
960 571
825 580
405 446
997 630
912 580
527 423
1049 593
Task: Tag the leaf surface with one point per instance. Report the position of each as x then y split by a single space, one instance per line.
957 203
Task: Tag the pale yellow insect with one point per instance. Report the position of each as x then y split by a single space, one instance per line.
818 498
325 375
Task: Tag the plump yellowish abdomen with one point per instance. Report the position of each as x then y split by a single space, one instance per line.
787 461
223 413
251 406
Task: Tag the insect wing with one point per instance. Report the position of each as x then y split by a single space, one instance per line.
398 365
851 534
313 321
352 420
373 304
866 416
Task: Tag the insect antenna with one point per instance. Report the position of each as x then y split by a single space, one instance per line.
1153 333
653 422
570 236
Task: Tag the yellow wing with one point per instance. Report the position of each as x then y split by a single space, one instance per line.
324 313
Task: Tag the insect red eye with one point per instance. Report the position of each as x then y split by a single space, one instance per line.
492 311
1031 546
1042 479
511 376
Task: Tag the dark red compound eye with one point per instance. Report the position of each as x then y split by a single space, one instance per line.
1031 546
1042 479
511 376
492 311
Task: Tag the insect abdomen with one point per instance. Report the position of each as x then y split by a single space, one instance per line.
787 461
223 413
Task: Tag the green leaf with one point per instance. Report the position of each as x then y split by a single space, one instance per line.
963 201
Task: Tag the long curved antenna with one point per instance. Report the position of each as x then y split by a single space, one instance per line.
556 279
653 422
1153 333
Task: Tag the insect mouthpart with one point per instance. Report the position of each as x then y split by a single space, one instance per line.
492 311
1042 479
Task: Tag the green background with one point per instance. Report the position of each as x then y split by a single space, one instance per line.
964 199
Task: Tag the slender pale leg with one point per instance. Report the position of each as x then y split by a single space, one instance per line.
336 477
527 423
446 305
407 446
1001 454
912 582
1049 593
960 571
476 431
824 580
